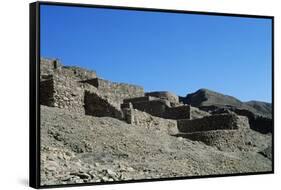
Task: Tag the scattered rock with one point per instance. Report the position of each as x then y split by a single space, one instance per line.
87 136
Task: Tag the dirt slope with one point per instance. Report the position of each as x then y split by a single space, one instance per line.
76 148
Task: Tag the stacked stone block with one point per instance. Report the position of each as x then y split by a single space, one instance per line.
224 131
208 123
115 92
165 95
257 122
81 91
162 107
95 105
47 90
64 87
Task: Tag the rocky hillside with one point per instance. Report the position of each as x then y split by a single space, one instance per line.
95 130
263 108
77 148
205 97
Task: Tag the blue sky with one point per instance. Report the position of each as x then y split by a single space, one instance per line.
163 51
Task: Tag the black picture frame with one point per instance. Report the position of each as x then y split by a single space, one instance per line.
34 93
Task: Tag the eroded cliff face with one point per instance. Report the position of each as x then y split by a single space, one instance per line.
95 130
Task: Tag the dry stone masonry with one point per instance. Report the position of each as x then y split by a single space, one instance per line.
162 107
96 130
97 106
208 123
116 92
64 87
82 91
171 97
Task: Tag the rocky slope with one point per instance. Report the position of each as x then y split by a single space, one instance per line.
262 107
204 97
95 130
77 148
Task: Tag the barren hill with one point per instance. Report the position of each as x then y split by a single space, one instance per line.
205 97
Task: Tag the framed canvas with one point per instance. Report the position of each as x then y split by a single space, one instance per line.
126 94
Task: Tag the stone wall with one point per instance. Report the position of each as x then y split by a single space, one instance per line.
257 122
61 86
69 94
78 72
64 86
214 122
139 99
184 112
143 119
196 113
114 92
226 138
162 108
49 66
62 92
95 105
47 90
180 112
171 97
262 124
54 66
154 107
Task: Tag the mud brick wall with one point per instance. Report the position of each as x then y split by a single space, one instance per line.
214 122
114 92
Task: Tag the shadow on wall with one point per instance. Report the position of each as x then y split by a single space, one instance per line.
96 106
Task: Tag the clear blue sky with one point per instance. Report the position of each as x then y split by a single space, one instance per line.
163 51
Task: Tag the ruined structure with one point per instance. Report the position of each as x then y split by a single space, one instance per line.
164 106
209 123
258 113
65 87
96 130
98 106
82 91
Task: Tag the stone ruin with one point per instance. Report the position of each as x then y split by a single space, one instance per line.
163 107
257 122
82 91
65 87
